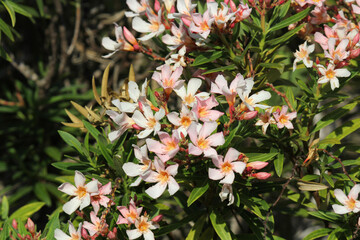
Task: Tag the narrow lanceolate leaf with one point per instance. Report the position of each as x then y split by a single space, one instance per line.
28 210
80 109
279 164
331 117
71 140
286 36
318 233
96 94
221 69
104 83
10 11
260 156
206 57
196 230
219 225
42 193
4 207
290 20
73 118
345 129
53 224
104 150
197 192
6 29
93 131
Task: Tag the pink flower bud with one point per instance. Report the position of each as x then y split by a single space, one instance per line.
186 21
261 175
226 1
30 226
130 37
141 106
157 5
136 127
354 53
14 224
172 9
250 115
257 165
112 234
158 218
84 233
232 6
355 39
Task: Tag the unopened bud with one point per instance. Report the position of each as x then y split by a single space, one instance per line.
14 224
257 165
317 60
157 95
355 53
112 234
158 218
30 226
136 127
261 175
157 6
250 115
355 40
233 6
84 233
130 37
140 106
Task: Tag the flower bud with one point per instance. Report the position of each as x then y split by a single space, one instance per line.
14 224
257 165
158 218
112 234
354 53
130 37
157 6
261 175
84 233
136 127
250 115
30 226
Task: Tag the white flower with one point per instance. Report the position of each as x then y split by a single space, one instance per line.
244 89
143 227
122 120
330 74
135 94
188 94
350 203
81 192
184 120
227 193
155 27
74 235
164 177
148 120
303 55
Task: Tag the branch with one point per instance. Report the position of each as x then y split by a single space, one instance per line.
283 95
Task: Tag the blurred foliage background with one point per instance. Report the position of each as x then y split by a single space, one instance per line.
49 52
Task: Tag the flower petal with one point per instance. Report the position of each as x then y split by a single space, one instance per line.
156 191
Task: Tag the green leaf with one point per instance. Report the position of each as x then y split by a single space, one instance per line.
196 230
318 233
53 224
330 141
331 117
205 57
197 192
328 179
290 20
105 152
221 69
311 186
6 29
26 211
278 66
5 232
263 157
290 95
220 225
71 140
327 216
93 131
4 207
23 10
152 97
286 36
345 129
5 56
71 166
42 194
279 164
40 5
229 138
10 11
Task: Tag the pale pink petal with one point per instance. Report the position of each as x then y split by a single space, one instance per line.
207 129
334 83
155 146
106 189
340 209
144 133
85 201
340 196
127 107
192 131
173 117
72 205
79 179
193 85
139 25
239 167
150 177
136 183
133 90
133 234
160 114
148 113
156 191
92 187
216 139
132 169
354 192
173 186
229 178
260 96
149 235
67 188
60 235
218 161
172 169
342 72
210 152
231 155
139 119
194 150
215 174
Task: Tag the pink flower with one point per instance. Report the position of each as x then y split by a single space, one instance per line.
74 234
251 102
168 147
129 215
202 109
188 93
221 16
303 55
167 79
356 8
132 169
154 28
241 12
339 54
284 119
120 43
227 167
201 24
265 120
122 120
81 192
202 142
221 87
143 228
164 177
148 121
330 74
227 193
95 226
178 38
101 199
350 202
136 7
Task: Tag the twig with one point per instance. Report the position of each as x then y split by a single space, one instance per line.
76 29
63 40
278 199
283 95
339 160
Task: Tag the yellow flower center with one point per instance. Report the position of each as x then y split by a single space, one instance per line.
302 54
185 121
330 74
203 112
226 167
283 119
351 203
132 215
81 192
204 26
168 83
189 99
170 146
163 177
143 226
151 122
74 236
203 143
